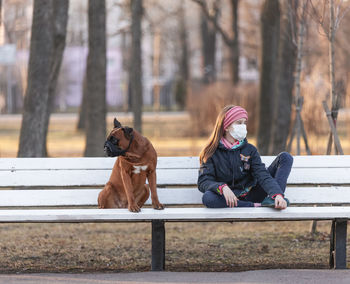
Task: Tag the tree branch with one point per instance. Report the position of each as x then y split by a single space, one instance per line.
204 7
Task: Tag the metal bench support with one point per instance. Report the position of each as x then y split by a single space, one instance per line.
158 245
337 258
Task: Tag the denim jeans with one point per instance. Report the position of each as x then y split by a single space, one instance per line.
279 170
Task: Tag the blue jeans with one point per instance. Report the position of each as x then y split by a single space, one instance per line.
279 170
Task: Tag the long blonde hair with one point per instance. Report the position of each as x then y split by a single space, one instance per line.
216 135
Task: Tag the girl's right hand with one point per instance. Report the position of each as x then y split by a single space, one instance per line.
231 199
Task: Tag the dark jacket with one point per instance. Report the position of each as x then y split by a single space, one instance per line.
239 168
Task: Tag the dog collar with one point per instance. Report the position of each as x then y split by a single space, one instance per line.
132 138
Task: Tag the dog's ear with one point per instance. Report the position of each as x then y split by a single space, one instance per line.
117 124
128 132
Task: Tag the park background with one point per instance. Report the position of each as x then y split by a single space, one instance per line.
166 68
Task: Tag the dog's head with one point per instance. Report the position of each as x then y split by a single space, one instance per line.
119 140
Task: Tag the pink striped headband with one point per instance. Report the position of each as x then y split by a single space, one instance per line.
234 114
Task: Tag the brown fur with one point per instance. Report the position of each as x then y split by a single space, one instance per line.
126 187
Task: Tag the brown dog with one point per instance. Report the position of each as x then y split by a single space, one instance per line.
137 161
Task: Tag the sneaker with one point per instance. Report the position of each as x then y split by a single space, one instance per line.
269 202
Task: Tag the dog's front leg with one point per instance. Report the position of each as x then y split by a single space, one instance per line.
152 177
132 205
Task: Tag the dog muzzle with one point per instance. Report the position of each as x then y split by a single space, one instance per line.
112 150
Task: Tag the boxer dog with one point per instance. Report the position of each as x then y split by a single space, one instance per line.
137 161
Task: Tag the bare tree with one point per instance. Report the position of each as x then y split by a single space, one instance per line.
60 19
232 42
136 63
298 127
285 77
208 36
32 134
184 74
335 16
270 29
96 80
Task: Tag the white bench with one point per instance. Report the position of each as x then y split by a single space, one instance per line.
33 188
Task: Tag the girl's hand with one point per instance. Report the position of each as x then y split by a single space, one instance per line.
280 203
231 199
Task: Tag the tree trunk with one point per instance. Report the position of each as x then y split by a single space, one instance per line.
181 86
83 107
0 13
235 43
270 26
136 63
32 134
60 19
285 78
96 80
208 33
334 95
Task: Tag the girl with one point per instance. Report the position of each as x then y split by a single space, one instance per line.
231 172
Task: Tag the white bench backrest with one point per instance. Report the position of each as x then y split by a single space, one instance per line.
176 178
83 172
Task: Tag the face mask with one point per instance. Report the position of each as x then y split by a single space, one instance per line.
239 131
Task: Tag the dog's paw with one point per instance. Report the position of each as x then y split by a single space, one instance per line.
158 206
134 208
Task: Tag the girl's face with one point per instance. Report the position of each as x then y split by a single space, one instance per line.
236 131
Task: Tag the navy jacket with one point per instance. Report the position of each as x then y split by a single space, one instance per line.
239 168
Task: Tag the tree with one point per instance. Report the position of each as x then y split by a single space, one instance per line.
32 134
59 31
184 74
287 52
270 28
335 17
136 63
232 42
96 80
208 35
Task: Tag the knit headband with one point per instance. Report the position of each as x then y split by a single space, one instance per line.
234 114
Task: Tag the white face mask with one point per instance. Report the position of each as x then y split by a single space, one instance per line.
238 131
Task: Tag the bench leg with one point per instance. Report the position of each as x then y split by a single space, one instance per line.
337 258
158 245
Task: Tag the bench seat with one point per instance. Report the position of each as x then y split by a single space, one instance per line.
172 215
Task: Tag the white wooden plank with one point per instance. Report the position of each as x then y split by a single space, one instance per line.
332 161
168 196
17 164
63 197
174 214
54 178
88 163
180 177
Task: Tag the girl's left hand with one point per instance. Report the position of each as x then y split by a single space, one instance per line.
280 203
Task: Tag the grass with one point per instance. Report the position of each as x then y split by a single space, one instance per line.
127 247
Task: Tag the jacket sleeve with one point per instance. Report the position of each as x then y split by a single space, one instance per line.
265 180
207 178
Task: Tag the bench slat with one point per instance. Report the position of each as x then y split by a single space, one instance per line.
98 178
104 163
168 196
332 161
174 214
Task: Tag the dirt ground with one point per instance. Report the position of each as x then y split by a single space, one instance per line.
189 247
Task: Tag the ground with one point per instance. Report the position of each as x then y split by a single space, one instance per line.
127 247
189 247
